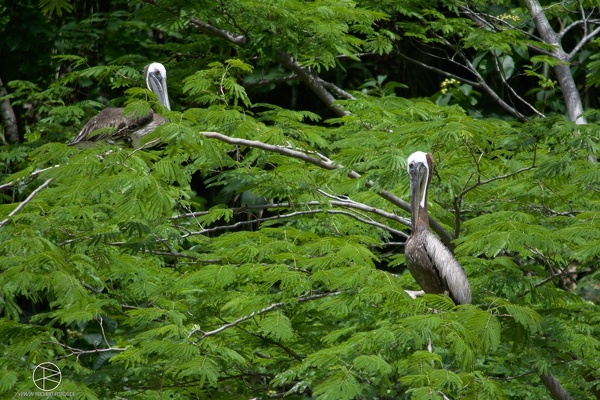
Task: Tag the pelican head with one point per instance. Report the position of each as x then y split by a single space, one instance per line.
420 165
156 80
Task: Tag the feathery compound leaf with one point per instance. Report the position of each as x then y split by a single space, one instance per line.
523 315
277 325
340 385
372 364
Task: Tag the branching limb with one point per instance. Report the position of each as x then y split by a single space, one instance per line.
202 26
293 214
512 91
584 40
311 81
79 352
483 85
27 200
546 280
439 71
265 82
324 162
344 201
335 89
562 71
31 176
271 307
485 182
210 29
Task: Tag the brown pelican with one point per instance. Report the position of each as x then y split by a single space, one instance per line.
111 123
430 262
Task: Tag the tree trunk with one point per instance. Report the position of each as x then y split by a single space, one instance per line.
11 131
563 72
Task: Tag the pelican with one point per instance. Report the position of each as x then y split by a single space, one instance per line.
430 262
111 122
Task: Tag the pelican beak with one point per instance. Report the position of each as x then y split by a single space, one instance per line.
158 84
417 172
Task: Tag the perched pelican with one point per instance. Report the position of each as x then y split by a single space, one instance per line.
430 262
111 122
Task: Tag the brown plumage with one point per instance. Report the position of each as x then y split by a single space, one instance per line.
429 261
111 124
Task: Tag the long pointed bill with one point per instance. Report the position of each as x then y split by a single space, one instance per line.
158 85
415 198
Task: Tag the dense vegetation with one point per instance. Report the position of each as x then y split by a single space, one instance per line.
257 251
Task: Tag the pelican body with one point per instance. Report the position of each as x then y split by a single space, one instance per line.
429 261
111 123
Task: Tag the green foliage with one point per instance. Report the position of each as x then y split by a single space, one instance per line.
253 252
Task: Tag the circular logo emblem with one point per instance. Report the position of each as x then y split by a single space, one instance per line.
46 376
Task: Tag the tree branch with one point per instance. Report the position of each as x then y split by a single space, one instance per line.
482 83
511 90
27 200
322 161
582 43
210 29
439 71
562 71
271 307
311 81
557 391
337 90
32 175
481 183
238 224
265 82
202 26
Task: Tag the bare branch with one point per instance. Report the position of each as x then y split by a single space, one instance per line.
557 391
511 90
238 224
481 183
584 40
223 34
265 82
439 71
311 81
32 175
325 163
337 90
27 200
271 307
562 71
482 84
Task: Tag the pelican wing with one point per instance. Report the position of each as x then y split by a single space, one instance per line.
111 123
449 270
